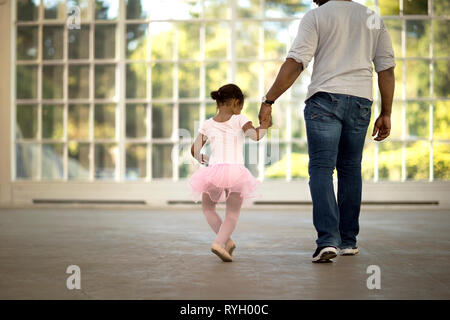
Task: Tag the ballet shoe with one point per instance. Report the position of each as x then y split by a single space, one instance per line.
221 252
230 246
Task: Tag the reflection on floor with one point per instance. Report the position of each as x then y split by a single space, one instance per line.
137 254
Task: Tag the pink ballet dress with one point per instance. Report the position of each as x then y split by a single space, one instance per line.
226 171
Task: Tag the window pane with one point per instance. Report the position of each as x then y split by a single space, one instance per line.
78 81
52 82
26 121
417 120
105 81
275 161
79 43
54 9
368 161
441 7
418 75
250 156
441 77
251 110
298 129
52 121
188 40
248 79
415 7
441 161
27 160
105 121
78 121
138 9
189 80
185 169
247 39
164 9
276 36
162 34
418 160
105 160
249 8
52 42
441 46
217 35
27 43
441 120
136 161
105 41
136 80
52 161
279 120
162 160
26 82
396 121
216 76
106 9
270 72
389 7
417 38
162 80
27 10
162 123
136 41
210 110
216 9
395 32
78 163
136 121
390 160
299 161
189 115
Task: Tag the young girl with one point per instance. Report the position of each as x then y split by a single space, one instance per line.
225 179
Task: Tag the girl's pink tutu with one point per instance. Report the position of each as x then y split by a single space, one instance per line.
220 179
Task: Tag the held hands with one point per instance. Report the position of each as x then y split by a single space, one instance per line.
382 126
265 116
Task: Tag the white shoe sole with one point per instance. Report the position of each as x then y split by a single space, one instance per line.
349 252
325 255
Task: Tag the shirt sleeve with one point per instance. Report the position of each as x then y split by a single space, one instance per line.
203 128
243 120
384 54
305 43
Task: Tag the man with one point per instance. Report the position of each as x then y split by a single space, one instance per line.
344 38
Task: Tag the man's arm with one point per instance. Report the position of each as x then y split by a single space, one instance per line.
289 72
386 83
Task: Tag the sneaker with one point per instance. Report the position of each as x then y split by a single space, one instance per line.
230 246
221 252
349 251
324 254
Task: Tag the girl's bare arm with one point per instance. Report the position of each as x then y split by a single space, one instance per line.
253 133
197 147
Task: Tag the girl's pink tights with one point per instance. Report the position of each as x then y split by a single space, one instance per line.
233 209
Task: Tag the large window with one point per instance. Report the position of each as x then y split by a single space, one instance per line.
122 97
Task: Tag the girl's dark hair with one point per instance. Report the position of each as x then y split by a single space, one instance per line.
228 91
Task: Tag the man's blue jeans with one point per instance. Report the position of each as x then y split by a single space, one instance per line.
336 126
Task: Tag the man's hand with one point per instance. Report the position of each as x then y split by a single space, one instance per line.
264 115
382 126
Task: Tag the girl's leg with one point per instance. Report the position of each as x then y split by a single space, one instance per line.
233 209
209 210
